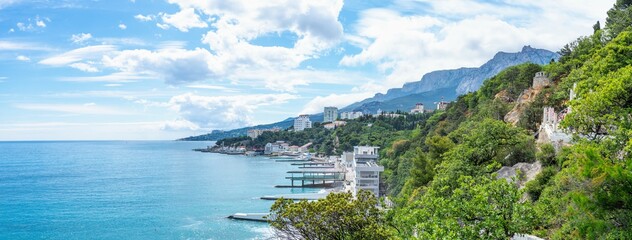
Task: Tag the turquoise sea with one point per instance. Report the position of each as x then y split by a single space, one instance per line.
132 190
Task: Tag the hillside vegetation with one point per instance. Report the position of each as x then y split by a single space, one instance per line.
441 172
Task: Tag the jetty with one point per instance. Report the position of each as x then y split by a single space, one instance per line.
257 217
297 196
315 178
314 164
308 185
292 160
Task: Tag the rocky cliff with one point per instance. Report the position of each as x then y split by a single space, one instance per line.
464 80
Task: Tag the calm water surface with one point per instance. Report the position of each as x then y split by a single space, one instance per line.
132 190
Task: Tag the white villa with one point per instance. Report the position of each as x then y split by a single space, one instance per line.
276 147
419 108
302 122
366 171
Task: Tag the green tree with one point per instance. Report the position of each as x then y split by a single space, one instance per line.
605 108
590 198
338 216
619 18
597 27
534 187
479 208
546 155
493 141
422 171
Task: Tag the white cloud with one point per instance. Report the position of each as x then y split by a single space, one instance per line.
145 18
207 86
80 38
452 34
79 54
184 20
162 26
23 26
122 26
180 124
166 45
120 77
32 23
23 58
6 3
40 23
81 109
121 41
289 80
317 104
231 54
223 112
84 67
126 95
174 66
12 46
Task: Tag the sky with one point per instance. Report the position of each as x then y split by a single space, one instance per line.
166 69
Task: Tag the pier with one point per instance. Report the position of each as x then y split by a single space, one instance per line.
313 164
257 217
323 176
297 196
292 160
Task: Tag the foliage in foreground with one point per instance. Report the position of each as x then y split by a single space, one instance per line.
479 207
338 216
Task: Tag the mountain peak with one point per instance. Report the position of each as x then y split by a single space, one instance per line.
527 48
464 80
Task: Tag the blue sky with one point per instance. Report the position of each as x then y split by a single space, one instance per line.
153 69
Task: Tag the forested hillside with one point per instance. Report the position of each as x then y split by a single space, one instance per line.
442 175
366 130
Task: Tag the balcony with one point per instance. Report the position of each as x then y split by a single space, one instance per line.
359 156
367 185
368 176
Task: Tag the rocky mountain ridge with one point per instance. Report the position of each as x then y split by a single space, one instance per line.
463 80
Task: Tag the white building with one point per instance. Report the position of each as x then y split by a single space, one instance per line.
391 115
305 148
541 80
419 108
442 105
334 124
351 115
302 122
276 147
550 131
365 169
254 133
330 114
